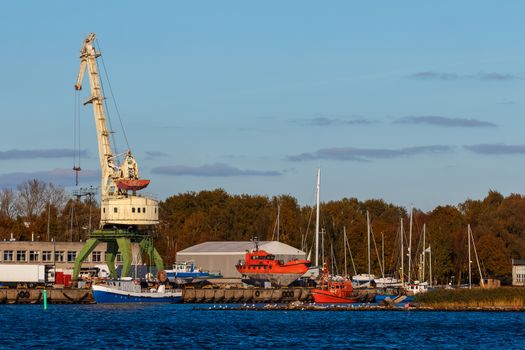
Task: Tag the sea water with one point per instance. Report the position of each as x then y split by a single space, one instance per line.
185 326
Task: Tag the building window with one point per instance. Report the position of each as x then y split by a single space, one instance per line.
143 210
47 255
138 210
96 257
115 210
119 257
71 256
132 210
59 256
104 210
20 255
34 255
8 255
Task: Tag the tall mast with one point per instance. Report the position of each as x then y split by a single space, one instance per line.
278 220
481 281
368 240
424 251
344 245
430 263
317 218
469 260
410 247
383 253
402 235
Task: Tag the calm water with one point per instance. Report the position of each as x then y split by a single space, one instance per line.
180 326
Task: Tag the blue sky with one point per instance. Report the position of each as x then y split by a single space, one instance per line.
418 103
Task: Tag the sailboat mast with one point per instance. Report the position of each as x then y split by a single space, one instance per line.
481 282
410 247
383 253
317 218
430 263
402 236
278 220
424 251
368 230
469 260
344 245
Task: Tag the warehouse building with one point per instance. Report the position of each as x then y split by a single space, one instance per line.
60 254
221 257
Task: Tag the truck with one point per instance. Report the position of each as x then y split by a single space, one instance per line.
31 275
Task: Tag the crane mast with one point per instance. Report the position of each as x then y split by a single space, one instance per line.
125 216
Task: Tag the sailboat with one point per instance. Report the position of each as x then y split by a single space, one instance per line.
364 280
417 286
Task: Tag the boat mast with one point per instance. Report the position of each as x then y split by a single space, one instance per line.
344 245
383 253
481 282
317 218
430 264
424 251
410 247
368 235
402 235
278 220
469 260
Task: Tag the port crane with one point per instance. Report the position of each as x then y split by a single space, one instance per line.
125 216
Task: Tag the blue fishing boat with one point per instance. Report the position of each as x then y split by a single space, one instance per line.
131 291
187 272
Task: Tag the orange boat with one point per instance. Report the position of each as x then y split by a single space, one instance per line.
335 292
260 266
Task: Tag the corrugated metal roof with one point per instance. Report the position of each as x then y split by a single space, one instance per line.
237 247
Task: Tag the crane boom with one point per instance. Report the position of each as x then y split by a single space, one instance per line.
88 56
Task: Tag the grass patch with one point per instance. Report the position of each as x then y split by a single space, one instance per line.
473 298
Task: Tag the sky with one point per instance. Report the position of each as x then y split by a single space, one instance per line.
418 103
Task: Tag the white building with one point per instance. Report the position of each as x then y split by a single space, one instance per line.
518 272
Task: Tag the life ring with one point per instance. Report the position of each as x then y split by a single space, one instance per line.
257 293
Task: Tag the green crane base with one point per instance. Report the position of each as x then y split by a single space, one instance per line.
118 240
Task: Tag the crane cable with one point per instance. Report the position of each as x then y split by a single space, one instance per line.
76 137
113 99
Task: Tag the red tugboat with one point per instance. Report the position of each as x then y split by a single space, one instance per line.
260 266
335 292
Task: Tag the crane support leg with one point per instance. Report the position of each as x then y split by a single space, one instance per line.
124 245
146 245
86 250
111 254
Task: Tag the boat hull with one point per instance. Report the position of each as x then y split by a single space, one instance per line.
103 294
326 297
277 279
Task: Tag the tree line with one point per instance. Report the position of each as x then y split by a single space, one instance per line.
497 222
43 211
